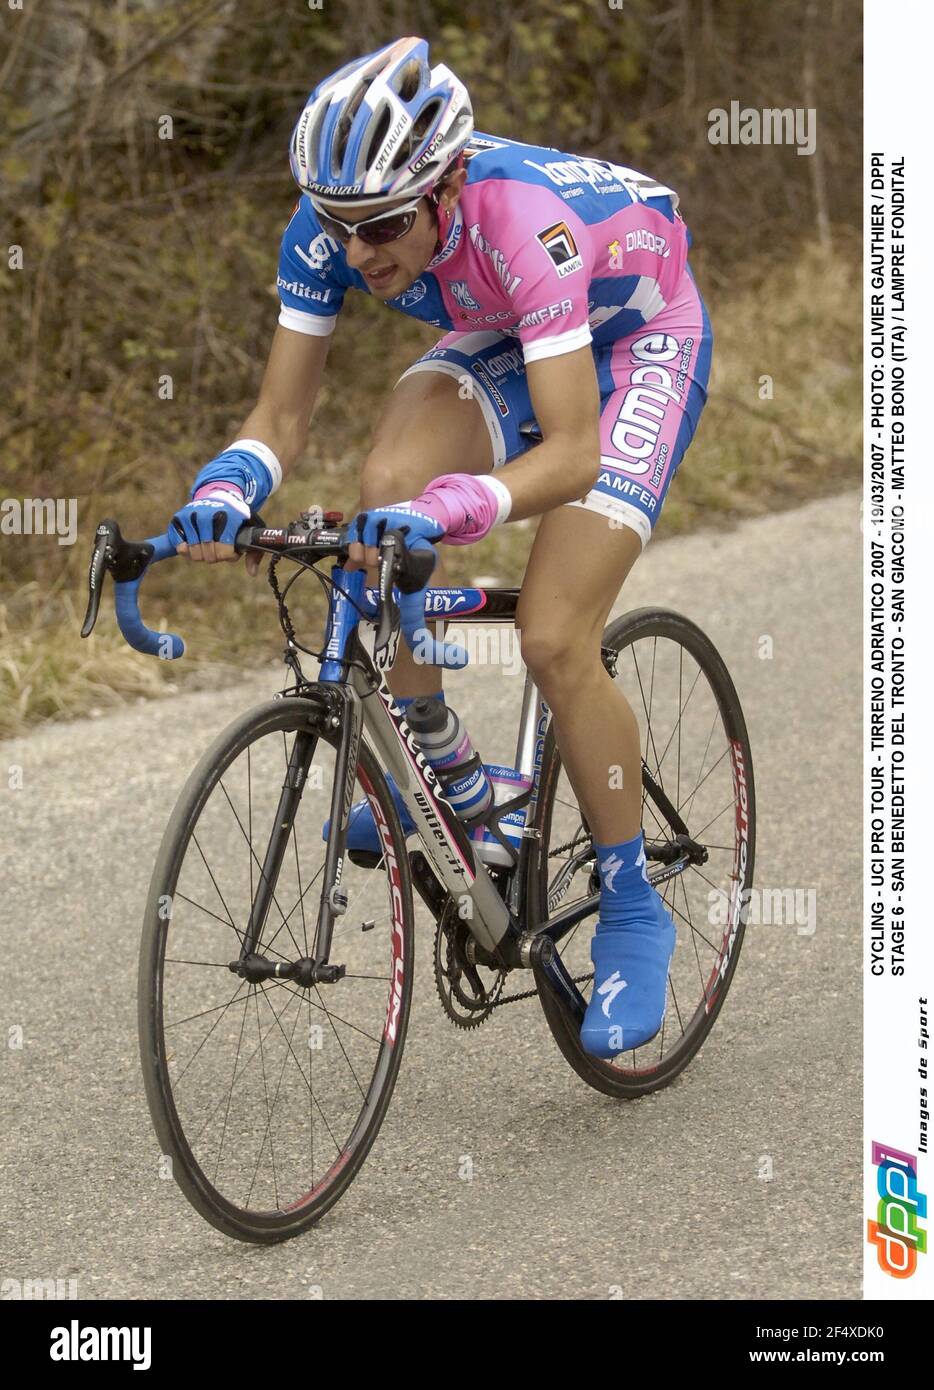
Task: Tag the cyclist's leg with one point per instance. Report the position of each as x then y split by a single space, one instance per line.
441 418
581 557
576 569
653 388
426 429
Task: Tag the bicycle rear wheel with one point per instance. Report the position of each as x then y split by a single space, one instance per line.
267 1096
696 753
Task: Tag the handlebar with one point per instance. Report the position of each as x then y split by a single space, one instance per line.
128 562
400 568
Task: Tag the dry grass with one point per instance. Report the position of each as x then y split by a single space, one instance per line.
44 676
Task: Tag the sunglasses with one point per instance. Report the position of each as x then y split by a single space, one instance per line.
373 231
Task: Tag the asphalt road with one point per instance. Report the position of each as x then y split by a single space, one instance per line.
573 1195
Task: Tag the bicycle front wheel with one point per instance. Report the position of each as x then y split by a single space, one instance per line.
696 761
266 1097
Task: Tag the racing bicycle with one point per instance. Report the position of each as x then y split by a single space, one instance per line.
276 966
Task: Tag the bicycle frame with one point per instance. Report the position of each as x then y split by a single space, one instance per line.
371 712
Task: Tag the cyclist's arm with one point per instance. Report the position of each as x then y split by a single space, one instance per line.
565 466
274 434
287 395
280 417
310 293
551 271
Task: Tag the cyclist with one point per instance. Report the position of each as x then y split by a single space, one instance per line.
562 287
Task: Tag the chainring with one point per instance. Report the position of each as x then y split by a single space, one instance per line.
467 1000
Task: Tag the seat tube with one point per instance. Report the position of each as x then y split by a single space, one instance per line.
533 722
530 746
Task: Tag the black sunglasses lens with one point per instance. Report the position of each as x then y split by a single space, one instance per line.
387 229
373 233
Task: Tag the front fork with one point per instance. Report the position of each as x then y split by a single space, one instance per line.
344 711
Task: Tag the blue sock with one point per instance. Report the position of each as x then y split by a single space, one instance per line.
631 952
625 891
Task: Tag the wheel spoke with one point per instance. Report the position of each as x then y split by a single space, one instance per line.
255 857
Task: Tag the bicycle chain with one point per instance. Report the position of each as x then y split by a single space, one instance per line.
481 1011
533 993
571 844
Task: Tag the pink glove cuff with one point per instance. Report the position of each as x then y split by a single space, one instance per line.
467 507
215 488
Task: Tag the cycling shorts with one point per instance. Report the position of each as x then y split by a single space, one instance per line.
653 387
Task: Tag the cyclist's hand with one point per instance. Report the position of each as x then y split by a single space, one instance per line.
207 527
366 530
457 507
422 523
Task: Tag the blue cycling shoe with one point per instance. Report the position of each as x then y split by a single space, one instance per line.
363 843
630 986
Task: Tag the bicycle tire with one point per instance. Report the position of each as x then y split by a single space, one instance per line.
602 1075
268 1226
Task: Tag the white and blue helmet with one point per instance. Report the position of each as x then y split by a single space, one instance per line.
385 126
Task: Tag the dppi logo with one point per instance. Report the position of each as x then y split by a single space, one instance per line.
896 1232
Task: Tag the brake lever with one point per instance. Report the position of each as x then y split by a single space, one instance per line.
125 560
387 632
128 561
415 569
410 571
105 536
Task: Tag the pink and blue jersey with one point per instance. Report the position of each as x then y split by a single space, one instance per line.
548 253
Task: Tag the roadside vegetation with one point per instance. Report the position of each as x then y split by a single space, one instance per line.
140 297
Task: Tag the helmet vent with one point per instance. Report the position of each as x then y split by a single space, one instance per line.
344 126
408 80
425 121
411 146
380 132
401 155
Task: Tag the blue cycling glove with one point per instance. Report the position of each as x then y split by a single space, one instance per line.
216 514
226 493
418 527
